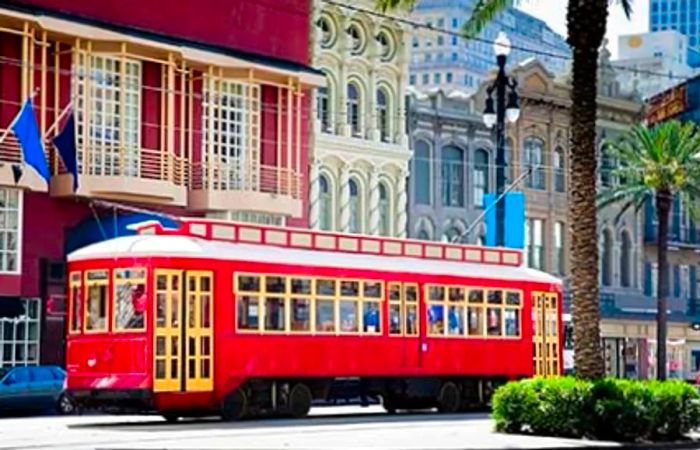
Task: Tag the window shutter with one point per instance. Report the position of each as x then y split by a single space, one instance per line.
676 281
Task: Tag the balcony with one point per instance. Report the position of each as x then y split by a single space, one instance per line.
142 175
265 189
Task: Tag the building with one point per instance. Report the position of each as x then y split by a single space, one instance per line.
442 60
454 165
359 146
175 112
652 62
679 15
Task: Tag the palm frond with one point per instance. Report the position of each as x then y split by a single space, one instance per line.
484 11
626 7
394 5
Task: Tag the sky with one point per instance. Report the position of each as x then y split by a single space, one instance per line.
554 13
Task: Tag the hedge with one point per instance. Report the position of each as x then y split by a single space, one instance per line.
608 409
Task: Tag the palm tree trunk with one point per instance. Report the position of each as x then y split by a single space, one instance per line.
586 21
663 210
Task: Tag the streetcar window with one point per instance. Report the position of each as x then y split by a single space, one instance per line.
411 313
373 289
395 318
75 301
455 320
512 322
495 297
436 324
493 321
248 283
395 292
370 317
476 321
349 288
274 314
476 296
248 312
513 298
348 316
96 282
325 316
275 284
301 286
301 314
456 294
129 299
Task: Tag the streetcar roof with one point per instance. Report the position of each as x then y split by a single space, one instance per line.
153 246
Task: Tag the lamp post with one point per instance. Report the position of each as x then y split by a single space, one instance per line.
497 115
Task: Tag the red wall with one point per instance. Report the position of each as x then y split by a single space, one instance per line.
277 28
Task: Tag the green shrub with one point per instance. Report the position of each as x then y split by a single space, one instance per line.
610 409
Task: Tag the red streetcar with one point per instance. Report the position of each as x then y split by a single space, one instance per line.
238 319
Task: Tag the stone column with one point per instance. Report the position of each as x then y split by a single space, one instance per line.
344 203
341 100
374 202
314 197
401 204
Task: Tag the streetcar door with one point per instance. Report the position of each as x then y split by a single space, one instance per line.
183 338
545 334
403 320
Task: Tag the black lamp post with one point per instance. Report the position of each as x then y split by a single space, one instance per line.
497 116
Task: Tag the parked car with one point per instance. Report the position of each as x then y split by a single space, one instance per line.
34 388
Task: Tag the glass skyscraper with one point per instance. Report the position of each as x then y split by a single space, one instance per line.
680 15
449 61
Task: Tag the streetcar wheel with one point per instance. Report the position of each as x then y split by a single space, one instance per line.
299 400
171 418
65 405
449 398
389 404
235 405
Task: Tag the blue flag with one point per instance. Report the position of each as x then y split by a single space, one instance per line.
65 143
29 137
514 203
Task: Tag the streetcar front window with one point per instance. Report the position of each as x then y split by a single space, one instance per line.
96 282
130 300
75 302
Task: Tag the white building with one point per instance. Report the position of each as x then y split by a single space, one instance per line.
359 146
652 62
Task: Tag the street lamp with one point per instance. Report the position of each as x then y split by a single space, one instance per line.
496 113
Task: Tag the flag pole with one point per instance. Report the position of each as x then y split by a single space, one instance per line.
61 115
9 127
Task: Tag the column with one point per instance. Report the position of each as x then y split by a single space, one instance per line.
344 203
371 117
314 197
401 204
374 202
400 127
341 102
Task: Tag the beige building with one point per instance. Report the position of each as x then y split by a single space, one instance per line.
359 147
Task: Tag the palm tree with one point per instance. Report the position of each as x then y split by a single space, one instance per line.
587 20
658 164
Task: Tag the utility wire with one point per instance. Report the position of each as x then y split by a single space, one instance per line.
421 25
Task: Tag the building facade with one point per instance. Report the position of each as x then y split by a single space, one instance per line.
453 166
359 146
210 123
444 60
652 62
682 16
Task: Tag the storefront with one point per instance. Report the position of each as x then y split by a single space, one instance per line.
629 349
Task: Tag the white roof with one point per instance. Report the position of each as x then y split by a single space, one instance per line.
191 247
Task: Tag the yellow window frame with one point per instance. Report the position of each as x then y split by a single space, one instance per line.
87 284
75 281
120 282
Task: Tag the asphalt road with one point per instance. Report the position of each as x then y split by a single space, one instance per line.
327 428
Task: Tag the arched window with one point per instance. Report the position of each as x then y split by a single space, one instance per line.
607 259
323 105
384 211
451 235
559 170
626 260
533 159
326 204
422 185
452 176
383 114
481 176
355 207
354 108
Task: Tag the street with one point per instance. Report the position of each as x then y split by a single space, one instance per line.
327 428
